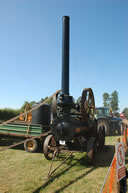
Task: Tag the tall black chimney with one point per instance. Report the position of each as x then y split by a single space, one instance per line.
65 55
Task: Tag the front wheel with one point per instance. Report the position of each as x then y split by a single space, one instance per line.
49 143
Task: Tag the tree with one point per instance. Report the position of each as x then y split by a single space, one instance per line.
111 101
32 103
106 100
24 106
48 102
125 111
79 99
114 101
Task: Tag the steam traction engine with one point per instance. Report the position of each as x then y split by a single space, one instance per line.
74 127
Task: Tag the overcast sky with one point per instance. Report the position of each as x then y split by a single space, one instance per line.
31 49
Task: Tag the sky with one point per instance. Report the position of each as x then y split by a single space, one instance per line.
31 49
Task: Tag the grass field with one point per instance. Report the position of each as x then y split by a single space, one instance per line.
22 172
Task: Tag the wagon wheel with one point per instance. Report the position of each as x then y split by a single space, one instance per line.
48 147
54 105
87 106
31 145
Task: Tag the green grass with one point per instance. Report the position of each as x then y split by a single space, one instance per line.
22 172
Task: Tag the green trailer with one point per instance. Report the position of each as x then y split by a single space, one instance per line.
36 130
21 131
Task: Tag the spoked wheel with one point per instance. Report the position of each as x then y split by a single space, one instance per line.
54 106
87 106
48 147
91 150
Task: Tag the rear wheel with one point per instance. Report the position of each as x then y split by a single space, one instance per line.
91 150
31 146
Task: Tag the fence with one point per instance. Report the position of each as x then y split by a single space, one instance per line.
111 185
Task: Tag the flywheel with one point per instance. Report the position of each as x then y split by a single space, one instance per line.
54 105
87 106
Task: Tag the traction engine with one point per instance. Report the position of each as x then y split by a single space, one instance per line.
74 127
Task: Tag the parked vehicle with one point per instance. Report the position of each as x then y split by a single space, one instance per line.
40 124
108 121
